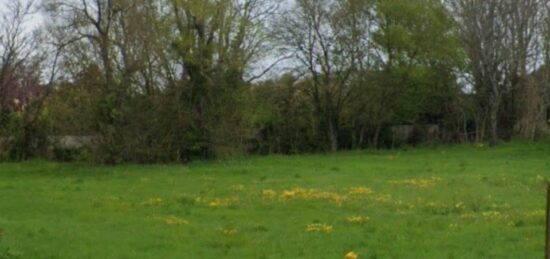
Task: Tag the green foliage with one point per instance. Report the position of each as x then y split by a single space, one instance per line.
422 53
23 137
151 84
283 118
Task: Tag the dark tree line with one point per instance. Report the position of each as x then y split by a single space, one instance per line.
176 80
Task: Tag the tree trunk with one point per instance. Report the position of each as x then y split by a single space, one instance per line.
530 107
361 137
376 137
493 122
333 136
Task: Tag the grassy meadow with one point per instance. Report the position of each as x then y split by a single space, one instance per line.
452 202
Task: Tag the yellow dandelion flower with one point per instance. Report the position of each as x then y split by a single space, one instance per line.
173 220
223 202
535 214
270 194
309 194
360 191
319 228
289 194
386 198
229 231
215 203
491 215
357 219
351 255
419 183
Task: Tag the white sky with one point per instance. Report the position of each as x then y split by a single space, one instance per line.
37 19
33 21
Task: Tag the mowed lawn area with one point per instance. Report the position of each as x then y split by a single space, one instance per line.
452 202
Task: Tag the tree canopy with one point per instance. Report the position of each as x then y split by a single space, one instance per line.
176 80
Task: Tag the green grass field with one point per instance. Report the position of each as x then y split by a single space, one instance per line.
458 202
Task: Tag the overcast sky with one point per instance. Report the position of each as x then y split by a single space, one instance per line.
33 21
37 19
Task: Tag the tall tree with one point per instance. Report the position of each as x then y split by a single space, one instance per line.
215 42
525 25
330 40
485 37
124 40
17 47
22 91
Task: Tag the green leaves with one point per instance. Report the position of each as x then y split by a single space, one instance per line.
420 52
417 32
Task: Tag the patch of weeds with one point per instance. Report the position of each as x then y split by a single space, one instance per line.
186 201
462 166
476 204
229 238
260 228
5 252
517 223
436 208
243 172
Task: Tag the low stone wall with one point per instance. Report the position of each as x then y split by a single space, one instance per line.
71 142
63 142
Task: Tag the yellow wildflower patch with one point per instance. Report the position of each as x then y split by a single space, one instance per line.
292 194
492 215
419 183
229 231
357 219
312 194
319 228
174 221
270 194
360 191
223 202
351 255
384 198
535 214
